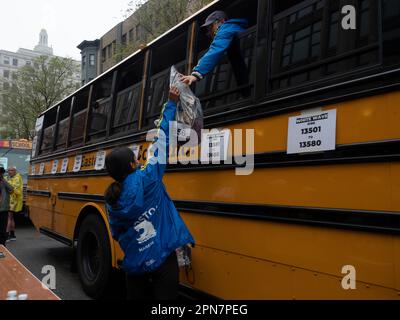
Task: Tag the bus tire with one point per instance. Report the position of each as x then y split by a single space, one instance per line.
94 257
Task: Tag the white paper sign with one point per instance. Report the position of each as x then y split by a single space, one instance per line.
4 163
312 132
41 169
100 160
54 167
77 164
33 170
64 165
135 148
39 124
214 146
34 145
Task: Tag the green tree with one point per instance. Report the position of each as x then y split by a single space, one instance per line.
153 18
34 89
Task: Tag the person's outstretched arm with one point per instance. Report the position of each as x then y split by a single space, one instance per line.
210 60
156 164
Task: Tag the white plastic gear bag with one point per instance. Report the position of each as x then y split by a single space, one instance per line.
189 114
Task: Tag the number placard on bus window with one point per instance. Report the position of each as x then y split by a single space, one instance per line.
100 160
41 169
214 146
135 148
54 167
64 165
39 124
33 170
312 132
77 164
34 145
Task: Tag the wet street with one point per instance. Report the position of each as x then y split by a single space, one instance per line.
35 251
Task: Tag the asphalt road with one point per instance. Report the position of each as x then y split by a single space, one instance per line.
36 251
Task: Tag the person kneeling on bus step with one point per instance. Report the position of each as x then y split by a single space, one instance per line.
5 191
15 180
223 32
143 218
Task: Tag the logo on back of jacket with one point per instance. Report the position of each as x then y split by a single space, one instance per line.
144 227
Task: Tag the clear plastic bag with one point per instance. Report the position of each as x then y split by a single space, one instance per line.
189 114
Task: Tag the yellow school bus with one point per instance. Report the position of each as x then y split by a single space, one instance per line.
318 218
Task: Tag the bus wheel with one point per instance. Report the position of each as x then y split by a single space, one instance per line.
94 256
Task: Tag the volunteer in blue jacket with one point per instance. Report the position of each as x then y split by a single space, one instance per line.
143 218
223 32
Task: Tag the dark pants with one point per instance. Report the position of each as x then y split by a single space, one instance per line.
3 227
161 284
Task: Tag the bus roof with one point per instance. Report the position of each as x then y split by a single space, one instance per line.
134 54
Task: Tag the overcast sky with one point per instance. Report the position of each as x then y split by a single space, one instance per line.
68 22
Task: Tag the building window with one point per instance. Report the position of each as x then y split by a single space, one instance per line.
6 85
15 62
124 39
83 61
6 60
104 54
91 59
28 63
6 74
131 39
114 47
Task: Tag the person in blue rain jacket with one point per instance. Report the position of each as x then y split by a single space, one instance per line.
223 32
143 218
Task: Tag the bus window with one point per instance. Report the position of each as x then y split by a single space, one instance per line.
100 108
128 99
48 131
79 117
63 124
391 32
306 46
165 55
230 81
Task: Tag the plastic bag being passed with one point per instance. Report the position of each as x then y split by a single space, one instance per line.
189 114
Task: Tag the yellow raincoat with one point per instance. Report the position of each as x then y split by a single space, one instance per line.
16 195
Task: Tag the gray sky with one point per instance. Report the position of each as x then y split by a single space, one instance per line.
68 22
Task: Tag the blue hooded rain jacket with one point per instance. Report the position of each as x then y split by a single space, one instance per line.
145 221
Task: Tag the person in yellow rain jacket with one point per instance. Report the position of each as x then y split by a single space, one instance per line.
15 180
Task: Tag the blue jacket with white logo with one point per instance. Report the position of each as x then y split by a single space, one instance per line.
145 221
220 45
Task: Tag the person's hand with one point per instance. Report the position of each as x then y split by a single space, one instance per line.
188 79
174 94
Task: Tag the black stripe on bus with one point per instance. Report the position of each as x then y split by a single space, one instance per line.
41 193
377 221
367 220
81 196
382 151
49 233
